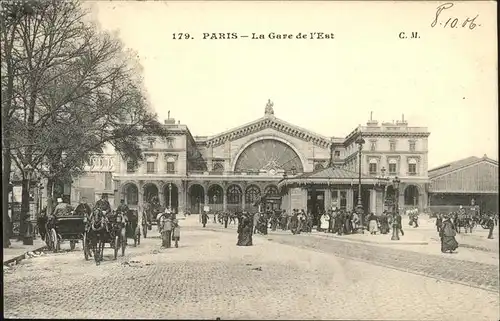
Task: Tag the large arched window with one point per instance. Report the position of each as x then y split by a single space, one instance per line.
271 190
268 155
252 194
234 194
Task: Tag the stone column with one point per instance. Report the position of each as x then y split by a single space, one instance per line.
373 200
224 196
328 199
161 195
350 196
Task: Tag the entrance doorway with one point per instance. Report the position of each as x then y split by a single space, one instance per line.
315 204
196 198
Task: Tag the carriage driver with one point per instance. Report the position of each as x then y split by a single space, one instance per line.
83 208
62 209
123 207
103 204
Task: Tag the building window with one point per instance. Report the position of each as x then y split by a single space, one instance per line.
412 146
373 146
392 168
336 153
218 167
171 167
372 167
150 167
343 200
412 166
130 166
234 195
170 143
392 146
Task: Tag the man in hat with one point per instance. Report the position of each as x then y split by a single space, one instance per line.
83 208
61 208
491 225
122 207
103 204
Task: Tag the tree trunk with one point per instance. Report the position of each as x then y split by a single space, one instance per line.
6 222
25 207
50 199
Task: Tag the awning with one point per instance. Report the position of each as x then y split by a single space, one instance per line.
330 176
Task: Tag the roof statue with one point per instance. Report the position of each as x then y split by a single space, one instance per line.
269 107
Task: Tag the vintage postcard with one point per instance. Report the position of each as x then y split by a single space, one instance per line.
254 160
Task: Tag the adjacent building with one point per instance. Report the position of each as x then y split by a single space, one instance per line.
471 181
232 170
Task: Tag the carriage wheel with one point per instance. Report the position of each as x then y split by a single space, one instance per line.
55 241
48 240
116 246
124 240
72 245
85 247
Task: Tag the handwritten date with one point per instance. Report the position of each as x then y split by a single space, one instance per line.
453 22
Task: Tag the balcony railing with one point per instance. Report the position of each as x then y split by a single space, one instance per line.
411 173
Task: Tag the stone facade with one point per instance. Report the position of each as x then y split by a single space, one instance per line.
233 169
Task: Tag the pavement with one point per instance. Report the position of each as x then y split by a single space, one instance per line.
17 251
282 276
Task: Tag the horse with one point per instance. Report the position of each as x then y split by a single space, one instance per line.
464 221
100 232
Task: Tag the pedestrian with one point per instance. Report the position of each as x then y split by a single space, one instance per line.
215 217
339 222
166 230
245 231
384 223
439 222
399 223
204 218
176 232
373 224
447 234
491 225
323 223
255 224
226 219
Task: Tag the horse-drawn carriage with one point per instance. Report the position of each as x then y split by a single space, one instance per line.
102 229
65 228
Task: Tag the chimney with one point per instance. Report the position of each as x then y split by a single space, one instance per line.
402 122
371 122
169 121
332 151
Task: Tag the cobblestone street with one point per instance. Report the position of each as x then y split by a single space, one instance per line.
281 277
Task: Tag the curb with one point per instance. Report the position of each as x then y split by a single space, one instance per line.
21 257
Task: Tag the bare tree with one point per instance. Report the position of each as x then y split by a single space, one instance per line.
75 89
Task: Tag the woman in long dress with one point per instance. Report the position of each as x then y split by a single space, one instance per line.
245 231
372 225
447 234
324 221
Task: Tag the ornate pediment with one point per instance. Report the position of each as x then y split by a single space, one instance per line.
273 123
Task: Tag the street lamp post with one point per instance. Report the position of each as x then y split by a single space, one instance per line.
359 208
170 196
395 227
382 181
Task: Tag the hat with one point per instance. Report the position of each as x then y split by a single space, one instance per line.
59 200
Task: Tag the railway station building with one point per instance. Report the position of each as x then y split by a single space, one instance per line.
296 167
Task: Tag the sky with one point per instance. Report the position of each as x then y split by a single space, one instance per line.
445 80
